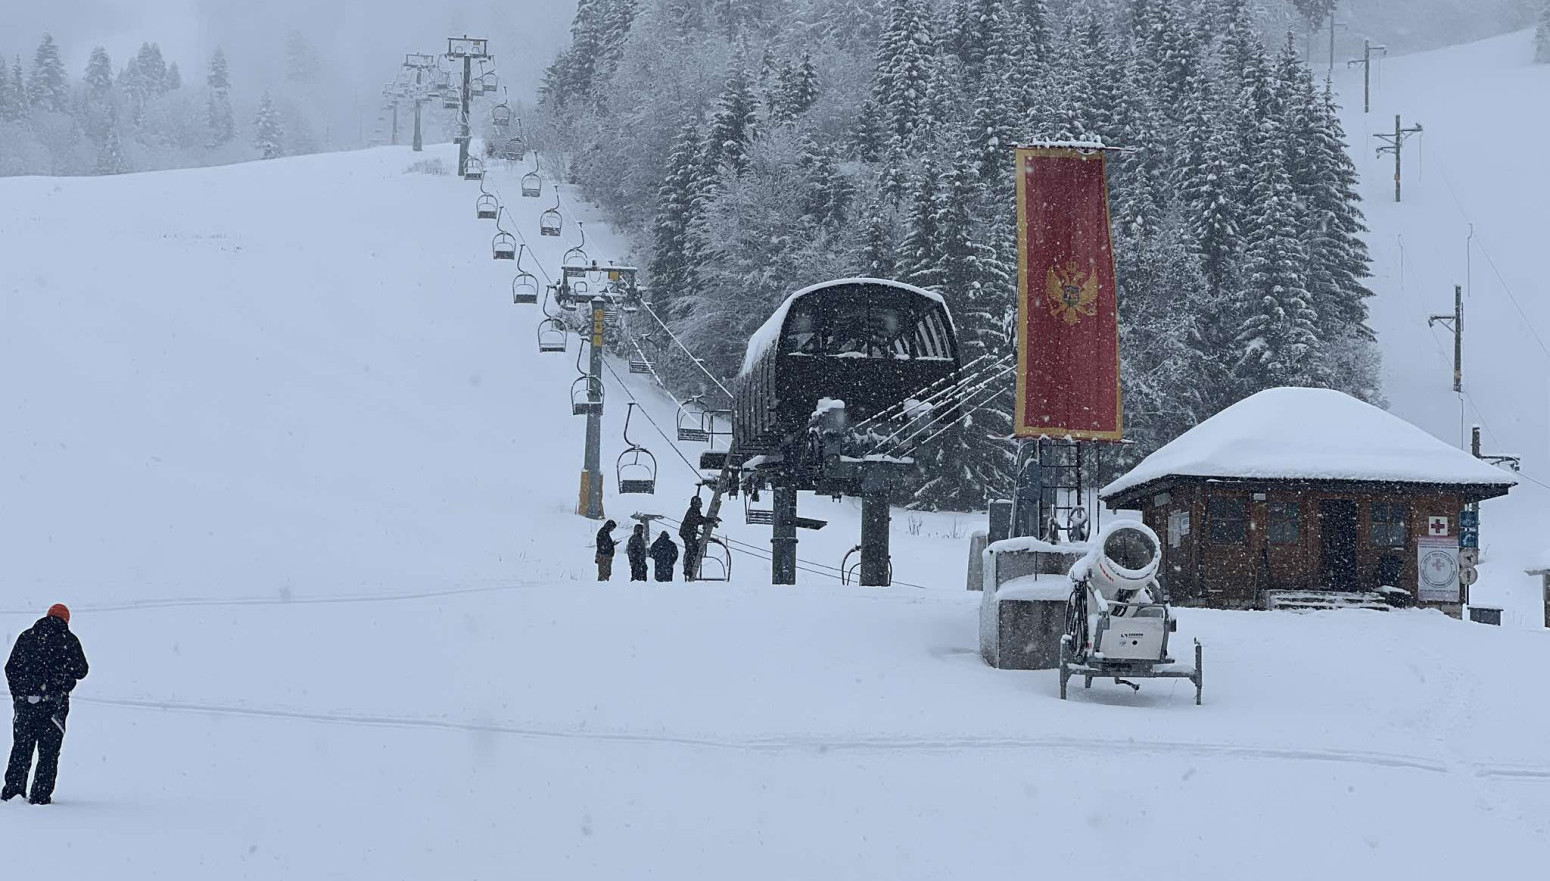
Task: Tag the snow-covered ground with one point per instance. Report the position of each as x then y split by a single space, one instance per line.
1474 167
280 438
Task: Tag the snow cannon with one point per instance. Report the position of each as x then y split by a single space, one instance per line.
1117 619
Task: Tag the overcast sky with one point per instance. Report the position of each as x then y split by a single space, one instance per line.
367 38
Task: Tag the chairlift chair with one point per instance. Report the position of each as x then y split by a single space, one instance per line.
636 467
586 395
753 513
639 364
451 101
474 170
524 288
504 246
551 335
513 149
549 222
487 207
715 561
532 182
691 421
500 115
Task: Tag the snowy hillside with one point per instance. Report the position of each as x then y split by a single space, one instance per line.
1463 174
283 442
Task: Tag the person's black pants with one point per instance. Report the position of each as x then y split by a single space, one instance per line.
691 550
41 727
638 570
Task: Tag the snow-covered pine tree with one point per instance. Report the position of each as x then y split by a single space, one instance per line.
920 254
99 113
906 65
1278 335
110 152
1037 31
799 92
152 70
879 253
674 257
1542 35
826 193
269 135
13 101
735 122
219 118
6 111
972 459
991 129
174 79
47 86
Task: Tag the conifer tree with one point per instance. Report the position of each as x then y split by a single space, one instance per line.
99 112
110 152
674 255
47 87
218 113
269 135
880 249
151 70
920 254
734 124
174 79
906 62
7 111
14 101
1278 336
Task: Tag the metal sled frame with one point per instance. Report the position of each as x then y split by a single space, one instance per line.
1122 672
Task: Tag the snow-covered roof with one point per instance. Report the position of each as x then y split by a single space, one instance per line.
768 333
1541 564
1310 434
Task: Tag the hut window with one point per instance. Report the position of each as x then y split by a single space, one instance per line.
1228 520
1388 524
1285 523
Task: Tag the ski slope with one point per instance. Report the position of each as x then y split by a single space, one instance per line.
282 441
1472 169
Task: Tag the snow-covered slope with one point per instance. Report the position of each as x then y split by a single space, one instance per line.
278 435
1476 168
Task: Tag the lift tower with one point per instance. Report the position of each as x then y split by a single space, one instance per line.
469 49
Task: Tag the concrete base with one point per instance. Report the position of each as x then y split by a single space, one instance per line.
1022 634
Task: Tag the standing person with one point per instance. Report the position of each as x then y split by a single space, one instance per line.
605 551
689 531
635 552
45 664
664 553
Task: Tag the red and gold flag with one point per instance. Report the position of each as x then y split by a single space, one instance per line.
1068 315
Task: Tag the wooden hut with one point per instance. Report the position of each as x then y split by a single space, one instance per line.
1310 496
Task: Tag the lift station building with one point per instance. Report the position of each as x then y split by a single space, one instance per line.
1314 497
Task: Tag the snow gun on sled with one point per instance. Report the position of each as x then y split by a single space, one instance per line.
1117 619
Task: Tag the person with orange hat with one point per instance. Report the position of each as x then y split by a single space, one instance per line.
45 665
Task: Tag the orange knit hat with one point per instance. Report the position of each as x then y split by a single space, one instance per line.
59 610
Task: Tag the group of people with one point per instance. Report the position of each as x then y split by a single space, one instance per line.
663 552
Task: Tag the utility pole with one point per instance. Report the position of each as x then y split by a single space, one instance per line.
1455 323
468 49
590 504
1366 62
1395 143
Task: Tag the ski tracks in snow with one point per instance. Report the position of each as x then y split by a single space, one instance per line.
822 744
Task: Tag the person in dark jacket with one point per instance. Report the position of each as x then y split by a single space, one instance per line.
690 531
44 667
605 551
664 553
635 551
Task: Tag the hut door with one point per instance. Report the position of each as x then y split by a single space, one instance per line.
1337 536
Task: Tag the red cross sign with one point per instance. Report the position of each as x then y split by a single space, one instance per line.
1437 526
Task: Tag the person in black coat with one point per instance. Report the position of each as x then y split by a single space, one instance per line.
44 667
605 551
664 553
690 531
635 551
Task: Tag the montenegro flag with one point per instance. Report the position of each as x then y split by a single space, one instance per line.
1068 314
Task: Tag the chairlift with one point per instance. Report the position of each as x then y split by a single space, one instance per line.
504 246
849 571
639 364
489 82
549 222
532 182
636 468
552 335
586 394
474 170
691 421
513 149
451 101
753 513
487 207
524 288
501 115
